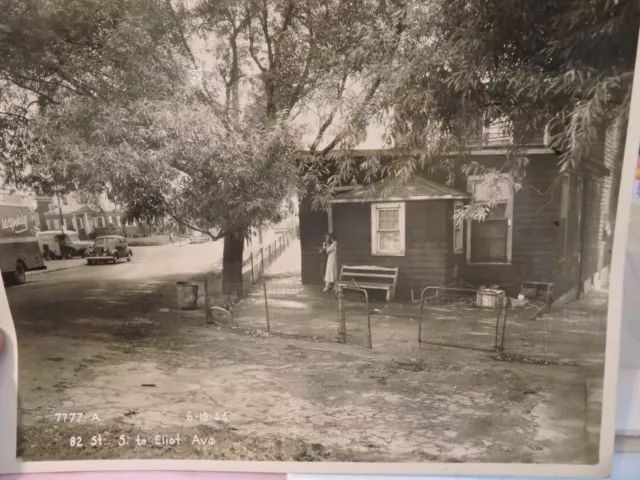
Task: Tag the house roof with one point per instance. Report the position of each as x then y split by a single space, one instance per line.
417 188
84 209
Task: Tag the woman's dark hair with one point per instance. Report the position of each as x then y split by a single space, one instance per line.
332 236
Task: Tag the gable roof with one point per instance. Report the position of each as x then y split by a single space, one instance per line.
415 189
83 209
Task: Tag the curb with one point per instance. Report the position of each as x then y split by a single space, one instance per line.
44 272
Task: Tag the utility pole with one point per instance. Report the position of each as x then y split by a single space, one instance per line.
60 211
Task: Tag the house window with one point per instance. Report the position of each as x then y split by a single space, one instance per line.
563 227
457 227
387 229
65 200
489 240
70 224
80 223
100 222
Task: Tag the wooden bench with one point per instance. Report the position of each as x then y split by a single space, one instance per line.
369 278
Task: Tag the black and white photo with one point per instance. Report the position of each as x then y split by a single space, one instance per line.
333 234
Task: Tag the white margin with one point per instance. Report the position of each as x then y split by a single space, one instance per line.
9 381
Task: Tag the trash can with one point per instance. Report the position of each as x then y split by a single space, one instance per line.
187 295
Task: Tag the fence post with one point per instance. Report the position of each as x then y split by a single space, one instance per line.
207 312
253 276
266 305
342 333
501 304
504 324
420 320
366 298
262 260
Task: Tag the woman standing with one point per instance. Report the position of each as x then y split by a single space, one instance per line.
332 263
323 255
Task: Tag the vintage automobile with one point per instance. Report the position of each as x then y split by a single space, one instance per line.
109 249
55 245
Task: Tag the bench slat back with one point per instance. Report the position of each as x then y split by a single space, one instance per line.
375 274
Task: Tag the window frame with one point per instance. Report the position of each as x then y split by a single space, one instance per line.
458 229
375 248
471 181
565 206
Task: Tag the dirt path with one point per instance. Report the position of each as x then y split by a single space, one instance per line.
286 399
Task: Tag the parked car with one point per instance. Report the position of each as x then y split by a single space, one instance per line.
55 245
109 249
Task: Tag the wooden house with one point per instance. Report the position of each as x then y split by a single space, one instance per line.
555 229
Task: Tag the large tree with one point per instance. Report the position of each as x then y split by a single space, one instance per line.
179 158
524 63
106 97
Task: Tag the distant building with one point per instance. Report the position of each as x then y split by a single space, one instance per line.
87 221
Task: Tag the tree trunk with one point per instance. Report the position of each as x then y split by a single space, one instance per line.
232 264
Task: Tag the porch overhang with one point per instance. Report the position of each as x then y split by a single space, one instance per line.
414 190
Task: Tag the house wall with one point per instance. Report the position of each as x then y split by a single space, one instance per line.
536 239
313 226
613 156
427 243
534 232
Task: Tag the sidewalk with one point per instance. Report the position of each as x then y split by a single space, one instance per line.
58 265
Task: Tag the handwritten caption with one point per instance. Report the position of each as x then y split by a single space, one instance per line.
141 440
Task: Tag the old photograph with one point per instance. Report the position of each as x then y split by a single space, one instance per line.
312 231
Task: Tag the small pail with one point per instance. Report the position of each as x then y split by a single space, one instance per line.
187 295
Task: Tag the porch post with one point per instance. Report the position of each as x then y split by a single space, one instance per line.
330 218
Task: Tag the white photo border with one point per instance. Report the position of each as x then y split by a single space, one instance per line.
9 381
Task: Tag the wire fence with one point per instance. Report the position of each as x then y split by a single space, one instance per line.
254 266
257 263
460 317
555 335
574 334
306 311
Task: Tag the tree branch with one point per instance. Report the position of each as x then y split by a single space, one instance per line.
15 115
371 92
183 38
264 21
342 135
252 51
299 90
213 237
327 123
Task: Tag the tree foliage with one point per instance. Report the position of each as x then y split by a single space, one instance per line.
526 64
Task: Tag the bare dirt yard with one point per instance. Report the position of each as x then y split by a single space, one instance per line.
108 344
286 399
